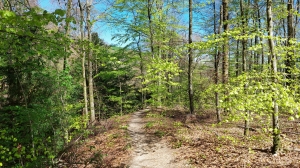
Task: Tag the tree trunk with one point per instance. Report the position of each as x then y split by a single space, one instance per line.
275 118
225 62
237 58
296 17
85 110
244 60
90 65
149 13
226 44
217 56
261 38
290 63
190 53
143 96
68 15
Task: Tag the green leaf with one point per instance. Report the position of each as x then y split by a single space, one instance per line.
7 14
60 12
17 155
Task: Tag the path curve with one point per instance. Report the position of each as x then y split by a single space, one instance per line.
149 151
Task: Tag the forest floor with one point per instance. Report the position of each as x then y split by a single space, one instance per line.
155 138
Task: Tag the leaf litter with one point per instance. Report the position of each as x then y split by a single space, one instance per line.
164 136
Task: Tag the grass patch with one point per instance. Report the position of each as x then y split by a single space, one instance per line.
159 133
149 124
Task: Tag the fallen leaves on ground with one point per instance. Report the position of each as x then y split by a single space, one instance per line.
106 147
201 143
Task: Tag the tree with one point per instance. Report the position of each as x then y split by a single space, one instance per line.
216 62
81 10
149 12
90 64
36 106
190 53
225 61
290 63
244 58
275 114
225 69
68 16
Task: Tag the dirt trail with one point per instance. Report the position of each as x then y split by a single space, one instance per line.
149 151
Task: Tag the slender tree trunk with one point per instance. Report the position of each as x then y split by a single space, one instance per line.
218 111
143 96
237 58
275 118
68 15
250 55
289 61
296 17
85 110
256 54
225 61
120 92
190 52
226 45
149 13
90 65
244 60
256 40
261 38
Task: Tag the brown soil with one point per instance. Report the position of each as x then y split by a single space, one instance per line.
163 138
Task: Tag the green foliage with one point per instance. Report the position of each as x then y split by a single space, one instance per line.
159 133
177 124
255 92
125 127
160 76
149 124
177 144
114 79
40 105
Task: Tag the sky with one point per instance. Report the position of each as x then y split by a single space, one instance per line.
104 31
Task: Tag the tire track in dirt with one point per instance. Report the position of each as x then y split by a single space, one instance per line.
149 151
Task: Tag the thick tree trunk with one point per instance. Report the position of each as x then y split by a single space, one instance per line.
90 65
275 118
190 52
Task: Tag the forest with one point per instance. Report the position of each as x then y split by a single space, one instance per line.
236 61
